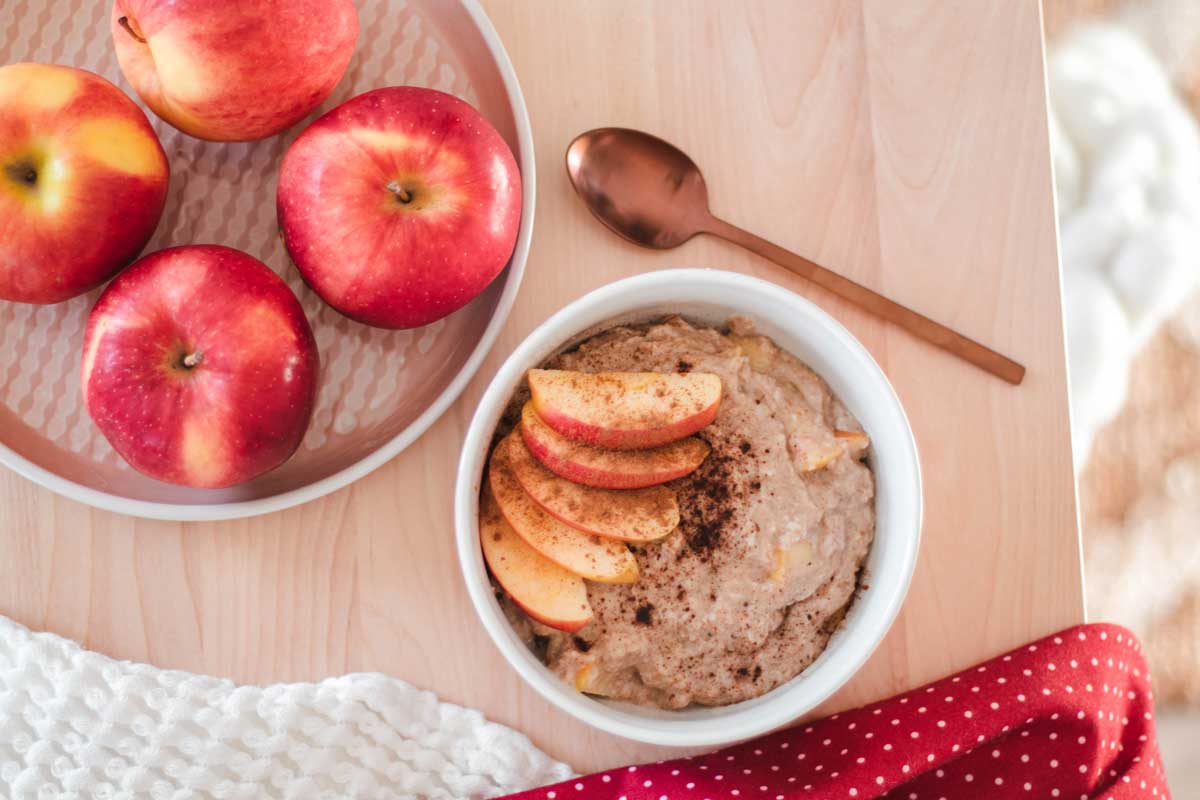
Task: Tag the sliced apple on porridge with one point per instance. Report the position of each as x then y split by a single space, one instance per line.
625 410
539 587
609 469
855 442
819 448
590 679
631 515
786 558
818 455
588 556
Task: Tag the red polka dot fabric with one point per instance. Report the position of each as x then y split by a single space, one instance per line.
1070 716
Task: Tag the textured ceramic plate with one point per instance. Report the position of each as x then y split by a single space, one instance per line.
379 389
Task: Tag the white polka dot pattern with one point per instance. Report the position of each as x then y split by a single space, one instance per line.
1069 716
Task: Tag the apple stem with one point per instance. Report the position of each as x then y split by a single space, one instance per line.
125 23
192 359
402 194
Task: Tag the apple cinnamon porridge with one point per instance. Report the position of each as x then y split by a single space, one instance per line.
773 526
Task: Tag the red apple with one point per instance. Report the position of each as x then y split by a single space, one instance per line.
234 71
199 366
399 206
83 181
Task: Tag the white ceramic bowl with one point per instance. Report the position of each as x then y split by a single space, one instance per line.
798 326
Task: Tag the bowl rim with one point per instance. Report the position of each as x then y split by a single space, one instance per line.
183 512
768 712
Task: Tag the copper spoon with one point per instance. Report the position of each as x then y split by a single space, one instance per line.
652 194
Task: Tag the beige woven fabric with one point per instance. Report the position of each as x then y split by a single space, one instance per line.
1139 492
1140 502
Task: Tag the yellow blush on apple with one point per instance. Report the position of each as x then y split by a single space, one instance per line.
83 181
234 71
199 367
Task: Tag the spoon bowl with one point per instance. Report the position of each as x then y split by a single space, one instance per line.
644 189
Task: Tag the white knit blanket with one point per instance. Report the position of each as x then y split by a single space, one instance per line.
76 724
1127 168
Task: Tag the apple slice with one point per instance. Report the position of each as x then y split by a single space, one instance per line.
855 442
539 587
631 515
819 455
625 410
589 680
601 560
822 454
787 557
608 469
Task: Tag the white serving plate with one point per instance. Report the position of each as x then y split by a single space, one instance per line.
799 327
379 389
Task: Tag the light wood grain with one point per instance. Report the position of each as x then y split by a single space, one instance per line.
902 143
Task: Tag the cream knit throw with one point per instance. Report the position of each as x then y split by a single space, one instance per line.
75 724
1127 169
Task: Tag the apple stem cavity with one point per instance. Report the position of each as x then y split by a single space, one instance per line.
22 172
131 28
402 194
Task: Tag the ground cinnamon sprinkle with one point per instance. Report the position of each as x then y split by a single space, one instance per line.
710 497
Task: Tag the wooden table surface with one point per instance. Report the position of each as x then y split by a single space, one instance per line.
901 142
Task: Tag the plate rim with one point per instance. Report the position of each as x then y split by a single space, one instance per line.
178 512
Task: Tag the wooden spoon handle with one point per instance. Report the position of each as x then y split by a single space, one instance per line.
877 304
